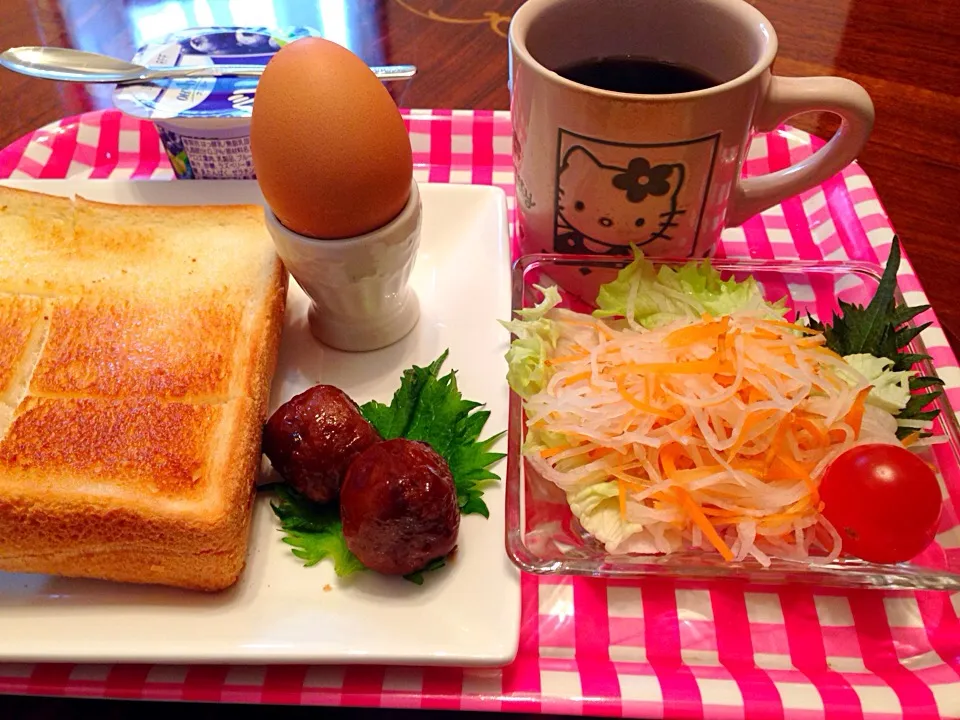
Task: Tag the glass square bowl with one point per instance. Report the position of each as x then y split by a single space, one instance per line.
543 536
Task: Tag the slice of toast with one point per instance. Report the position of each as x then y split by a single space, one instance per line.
137 347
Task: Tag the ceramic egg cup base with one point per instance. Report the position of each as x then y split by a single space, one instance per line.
359 288
374 334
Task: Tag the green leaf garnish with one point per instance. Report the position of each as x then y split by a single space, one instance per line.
430 408
922 381
314 531
417 577
393 420
425 407
878 329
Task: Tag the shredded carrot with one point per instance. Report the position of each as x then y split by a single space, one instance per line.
836 435
622 489
754 467
626 480
719 512
800 504
798 471
668 458
706 527
818 434
652 384
711 365
752 420
854 416
780 470
778 439
911 439
698 473
577 377
566 358
698 333
778 519
731 520
635 402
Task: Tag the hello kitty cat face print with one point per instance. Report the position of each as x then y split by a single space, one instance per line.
602 209
612 195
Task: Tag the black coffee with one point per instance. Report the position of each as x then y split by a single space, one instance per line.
639 75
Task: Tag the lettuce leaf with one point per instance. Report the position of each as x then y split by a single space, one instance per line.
597 507
891 388
539 439
536 336
662 295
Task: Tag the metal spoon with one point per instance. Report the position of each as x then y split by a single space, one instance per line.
52 63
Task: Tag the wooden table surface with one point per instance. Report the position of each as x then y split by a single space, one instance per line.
906 54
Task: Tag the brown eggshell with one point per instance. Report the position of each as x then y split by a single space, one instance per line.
330 150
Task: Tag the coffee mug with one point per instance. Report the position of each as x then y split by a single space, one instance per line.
655 161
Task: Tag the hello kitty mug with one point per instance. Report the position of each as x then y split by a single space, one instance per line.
632 119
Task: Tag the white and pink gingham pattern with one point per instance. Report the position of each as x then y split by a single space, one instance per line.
589 646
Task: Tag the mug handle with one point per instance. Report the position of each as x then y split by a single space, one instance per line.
786 97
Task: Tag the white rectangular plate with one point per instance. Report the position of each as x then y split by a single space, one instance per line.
466 614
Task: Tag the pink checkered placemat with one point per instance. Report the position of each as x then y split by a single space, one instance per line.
589 646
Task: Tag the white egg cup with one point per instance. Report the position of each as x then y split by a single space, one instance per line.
359 287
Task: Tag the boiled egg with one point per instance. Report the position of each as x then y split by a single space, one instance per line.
330 150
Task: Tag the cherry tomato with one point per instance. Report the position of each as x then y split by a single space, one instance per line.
883 500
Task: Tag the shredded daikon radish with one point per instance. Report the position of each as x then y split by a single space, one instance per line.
707 434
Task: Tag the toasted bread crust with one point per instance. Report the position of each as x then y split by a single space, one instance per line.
141 446
143 348
137 348
190 532
18 317
255 376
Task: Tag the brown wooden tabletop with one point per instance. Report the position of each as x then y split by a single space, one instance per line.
906 54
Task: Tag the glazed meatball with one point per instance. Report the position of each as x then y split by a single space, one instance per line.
399 507
313 437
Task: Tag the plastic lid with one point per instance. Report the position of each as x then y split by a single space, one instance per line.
203 97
